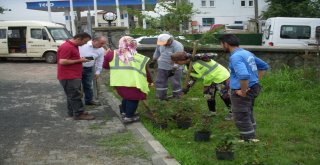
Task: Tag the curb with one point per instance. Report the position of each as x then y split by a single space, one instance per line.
160 156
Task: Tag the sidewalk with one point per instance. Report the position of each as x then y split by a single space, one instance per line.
36 130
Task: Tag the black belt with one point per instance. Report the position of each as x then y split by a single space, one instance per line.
249 87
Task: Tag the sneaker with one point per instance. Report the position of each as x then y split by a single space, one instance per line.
212 113
127 120
93 103
83 117
228 117
123 115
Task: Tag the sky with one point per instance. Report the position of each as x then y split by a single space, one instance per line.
20 12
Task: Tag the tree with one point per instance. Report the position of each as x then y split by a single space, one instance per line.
1 10
167 16
292 8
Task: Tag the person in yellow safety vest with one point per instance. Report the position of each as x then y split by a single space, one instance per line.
129 75
215 78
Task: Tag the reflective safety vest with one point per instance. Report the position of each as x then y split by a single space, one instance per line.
210 72
129 75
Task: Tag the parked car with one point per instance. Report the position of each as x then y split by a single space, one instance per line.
152 40
147 40
235 28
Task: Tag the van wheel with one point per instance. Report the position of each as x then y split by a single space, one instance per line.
51 57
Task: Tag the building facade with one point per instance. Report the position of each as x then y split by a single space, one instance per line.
224 12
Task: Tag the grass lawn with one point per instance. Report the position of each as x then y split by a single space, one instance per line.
288 125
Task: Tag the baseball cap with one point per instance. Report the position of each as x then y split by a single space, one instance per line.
163 39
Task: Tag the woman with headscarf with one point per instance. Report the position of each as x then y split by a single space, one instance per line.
129 75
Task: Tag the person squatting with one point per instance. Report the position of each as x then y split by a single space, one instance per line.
215 78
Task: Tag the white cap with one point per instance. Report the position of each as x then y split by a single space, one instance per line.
163 39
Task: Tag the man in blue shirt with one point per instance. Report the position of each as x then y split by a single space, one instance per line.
246 71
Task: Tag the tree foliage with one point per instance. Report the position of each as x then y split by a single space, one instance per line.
1 10
293 8
176 14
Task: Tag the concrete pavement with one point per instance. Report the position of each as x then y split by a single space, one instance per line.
35 129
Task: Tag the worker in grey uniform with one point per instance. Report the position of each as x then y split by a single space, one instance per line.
167 70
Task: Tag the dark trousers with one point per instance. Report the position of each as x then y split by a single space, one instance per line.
129 107
162 83
72 89
223 90
87 77
242 109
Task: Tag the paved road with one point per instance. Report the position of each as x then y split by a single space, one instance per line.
34 128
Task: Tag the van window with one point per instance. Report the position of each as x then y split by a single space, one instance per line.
295 32
14 33
267 32
149 40
3 33
59 33
36 34
318 33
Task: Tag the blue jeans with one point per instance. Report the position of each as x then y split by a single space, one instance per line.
129 107
87 77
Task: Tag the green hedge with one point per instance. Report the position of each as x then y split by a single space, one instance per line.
245 39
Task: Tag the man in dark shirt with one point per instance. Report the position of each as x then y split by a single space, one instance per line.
70 74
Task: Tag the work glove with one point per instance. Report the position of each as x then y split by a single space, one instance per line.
185 90
152 64
171 72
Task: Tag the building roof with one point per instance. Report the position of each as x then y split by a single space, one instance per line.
29 23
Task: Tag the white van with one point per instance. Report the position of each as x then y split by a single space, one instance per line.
290 31
34 39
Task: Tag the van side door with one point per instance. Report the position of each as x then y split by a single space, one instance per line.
4 41
38 41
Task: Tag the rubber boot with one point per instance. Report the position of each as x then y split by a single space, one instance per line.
212 105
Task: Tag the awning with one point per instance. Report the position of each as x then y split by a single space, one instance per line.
62 5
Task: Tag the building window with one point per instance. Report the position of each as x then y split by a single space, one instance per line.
243 3
212 3
203 3
251 3
207 21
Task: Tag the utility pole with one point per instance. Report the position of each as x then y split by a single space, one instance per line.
49 10
256 14
256 10
118 13
144 24
95 13
73 26
89 23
